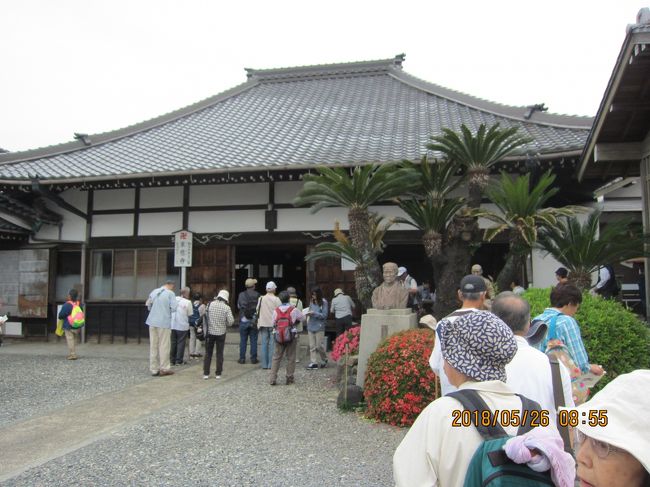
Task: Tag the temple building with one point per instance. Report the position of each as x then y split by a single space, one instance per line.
99 213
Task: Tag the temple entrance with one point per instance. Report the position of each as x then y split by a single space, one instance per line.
285 265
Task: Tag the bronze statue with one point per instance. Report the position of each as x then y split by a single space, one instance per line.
390 294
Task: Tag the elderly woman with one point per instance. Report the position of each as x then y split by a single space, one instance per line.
615 452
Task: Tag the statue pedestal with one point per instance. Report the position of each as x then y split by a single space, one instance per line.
376 325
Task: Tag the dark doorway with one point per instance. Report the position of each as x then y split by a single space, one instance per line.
284 265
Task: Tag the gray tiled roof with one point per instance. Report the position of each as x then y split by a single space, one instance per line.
293 118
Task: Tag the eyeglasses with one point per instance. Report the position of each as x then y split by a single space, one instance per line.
602 449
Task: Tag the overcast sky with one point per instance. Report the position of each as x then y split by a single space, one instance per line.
92 66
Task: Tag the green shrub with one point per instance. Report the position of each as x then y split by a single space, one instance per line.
613 336
399 382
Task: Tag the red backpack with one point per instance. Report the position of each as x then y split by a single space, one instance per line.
284 327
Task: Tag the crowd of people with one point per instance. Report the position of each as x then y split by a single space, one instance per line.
496 365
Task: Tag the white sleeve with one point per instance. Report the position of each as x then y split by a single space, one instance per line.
603 277
435 361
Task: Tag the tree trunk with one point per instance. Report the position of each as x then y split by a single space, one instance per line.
511 270
582 279
368 275
477 181
454 263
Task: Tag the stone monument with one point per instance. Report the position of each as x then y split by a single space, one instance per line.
388 316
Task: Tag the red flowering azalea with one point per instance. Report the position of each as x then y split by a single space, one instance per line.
351 339
399 382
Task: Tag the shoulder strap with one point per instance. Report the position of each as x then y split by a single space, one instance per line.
472 401
551 326
527 407
560 401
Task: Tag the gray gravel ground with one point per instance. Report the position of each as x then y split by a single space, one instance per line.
36 377
237 433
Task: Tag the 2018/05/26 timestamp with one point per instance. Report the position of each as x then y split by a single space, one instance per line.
507 417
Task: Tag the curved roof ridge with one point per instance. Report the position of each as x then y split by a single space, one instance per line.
111 135
317 70
495 108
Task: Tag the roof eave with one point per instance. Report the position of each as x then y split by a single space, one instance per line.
631 40
249 169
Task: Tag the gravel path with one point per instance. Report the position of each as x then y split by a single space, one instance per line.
36 378
237 433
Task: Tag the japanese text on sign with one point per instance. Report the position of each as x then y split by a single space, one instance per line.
183 249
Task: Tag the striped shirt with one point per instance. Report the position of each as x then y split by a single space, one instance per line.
219 317
567 330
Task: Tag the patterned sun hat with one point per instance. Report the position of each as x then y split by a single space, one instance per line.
479 345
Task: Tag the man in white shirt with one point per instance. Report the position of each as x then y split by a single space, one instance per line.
180 327
410 285
472 293
529 372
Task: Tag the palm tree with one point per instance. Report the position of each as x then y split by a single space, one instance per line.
357 191
583 247
432 212
342 248
521 211
478 153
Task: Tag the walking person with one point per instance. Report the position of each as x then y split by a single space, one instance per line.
219 316
316 320
198 313
161 304
180 327
297 303
247 305
285 315
266 307
342 308
70 333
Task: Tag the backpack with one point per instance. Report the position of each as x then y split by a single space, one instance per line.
250 310
76 318
555 348
195 315
285 331
490 466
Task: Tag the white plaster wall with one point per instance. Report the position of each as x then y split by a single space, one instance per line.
166 197
286 191
300 219
114 199
392 212
160 223
229 194
112 226
73 226
544 267
226 221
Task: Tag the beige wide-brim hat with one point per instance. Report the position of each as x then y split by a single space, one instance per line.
338 291
626 405
223 294
250 282
430 321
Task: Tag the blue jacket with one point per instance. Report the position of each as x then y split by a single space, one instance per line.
318 317
66 309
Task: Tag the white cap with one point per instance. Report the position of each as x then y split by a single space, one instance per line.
270 286
627 402
401 271
223 294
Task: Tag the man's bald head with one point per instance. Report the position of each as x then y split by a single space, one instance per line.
513 310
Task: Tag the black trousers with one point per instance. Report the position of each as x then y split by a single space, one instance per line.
210 342
177 346
343 324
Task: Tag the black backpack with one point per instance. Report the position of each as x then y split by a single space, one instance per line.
250 309
195 315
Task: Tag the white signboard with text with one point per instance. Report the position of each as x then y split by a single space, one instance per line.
183 249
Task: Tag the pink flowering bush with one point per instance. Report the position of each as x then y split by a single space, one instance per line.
350 338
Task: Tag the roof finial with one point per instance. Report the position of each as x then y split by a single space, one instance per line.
539 107
399 59
83 138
